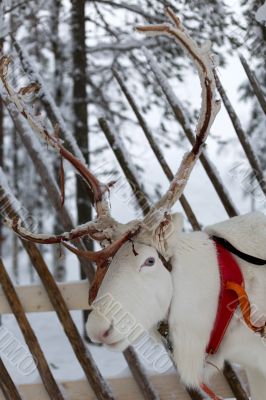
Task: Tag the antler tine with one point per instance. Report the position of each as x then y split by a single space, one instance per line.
208 110
89 229
102 258
106 253
97 188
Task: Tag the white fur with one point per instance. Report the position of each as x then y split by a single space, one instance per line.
190 295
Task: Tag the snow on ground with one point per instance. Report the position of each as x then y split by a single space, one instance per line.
58 351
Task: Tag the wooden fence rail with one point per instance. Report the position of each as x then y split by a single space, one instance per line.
124 388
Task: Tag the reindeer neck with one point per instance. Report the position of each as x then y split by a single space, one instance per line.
186 248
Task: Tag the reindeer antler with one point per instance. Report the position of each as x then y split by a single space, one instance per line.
97 188
90 228
108 252
103 227
208 111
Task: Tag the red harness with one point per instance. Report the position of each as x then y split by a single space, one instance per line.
228 300
232 295
228 303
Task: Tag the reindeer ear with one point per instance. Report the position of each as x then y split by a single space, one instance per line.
162 233
166 234
178 221
171 225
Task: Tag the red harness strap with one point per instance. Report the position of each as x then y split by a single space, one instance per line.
232 295
228 300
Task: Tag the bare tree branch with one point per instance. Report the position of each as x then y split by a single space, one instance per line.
254 83
126 46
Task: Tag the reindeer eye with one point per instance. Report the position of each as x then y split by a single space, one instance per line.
149 262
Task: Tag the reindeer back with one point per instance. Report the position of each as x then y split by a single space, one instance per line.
246 232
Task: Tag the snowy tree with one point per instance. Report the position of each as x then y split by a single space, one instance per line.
253 46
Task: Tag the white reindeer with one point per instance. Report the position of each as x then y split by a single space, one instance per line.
133 266
188 297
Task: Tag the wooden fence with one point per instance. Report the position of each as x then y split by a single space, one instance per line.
34 298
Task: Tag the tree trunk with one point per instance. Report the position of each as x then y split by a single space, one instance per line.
1 148
59 266
15 244
80 110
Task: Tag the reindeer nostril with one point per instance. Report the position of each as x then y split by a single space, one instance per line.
108 331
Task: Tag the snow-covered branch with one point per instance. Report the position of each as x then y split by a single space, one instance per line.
125 46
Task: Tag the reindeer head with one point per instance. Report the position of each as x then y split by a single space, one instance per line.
133 269
137 286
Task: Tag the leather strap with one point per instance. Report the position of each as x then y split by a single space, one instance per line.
226 245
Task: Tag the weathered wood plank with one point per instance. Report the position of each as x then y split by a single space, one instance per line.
123 388
34 298
52 389
8 388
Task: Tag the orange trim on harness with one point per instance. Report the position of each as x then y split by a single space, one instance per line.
245 306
